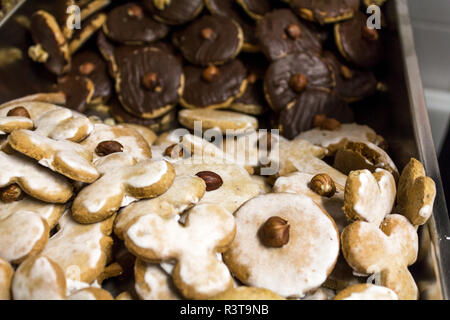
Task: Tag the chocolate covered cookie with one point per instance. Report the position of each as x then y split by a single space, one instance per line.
91 65
88 28
256 8
252 101
325 11
357 42
210 40
288 78
281 33
129 24
50 47
78 91
299 116
231 9
149 82
174 12
351 84
214 87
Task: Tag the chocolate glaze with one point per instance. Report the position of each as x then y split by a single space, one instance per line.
274 39
277 81
224 43
177 11
299 116
125 28
203 94
78 91
325 11
256 8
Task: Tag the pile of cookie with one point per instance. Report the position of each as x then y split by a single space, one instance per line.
103 197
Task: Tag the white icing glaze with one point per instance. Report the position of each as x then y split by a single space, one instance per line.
373 293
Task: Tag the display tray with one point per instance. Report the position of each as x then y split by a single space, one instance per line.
399 114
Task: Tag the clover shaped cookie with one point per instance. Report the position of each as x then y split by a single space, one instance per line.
123 181
387 250
6 275
416 193
208 230
369 197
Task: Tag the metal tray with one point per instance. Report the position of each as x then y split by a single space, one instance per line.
399 115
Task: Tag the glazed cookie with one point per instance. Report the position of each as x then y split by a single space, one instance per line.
301 115
416 193
78 91
369 197
90 64
363 155
363 48
91 293
289 78
198 273
325 11
153 283
174 12
145 132
54 98
185 192
16 119
106 139
88 28
38 182
247 293
6 275
124 180
35 109
81 251
387 251
335 139
217 119
285 243
256 8
281 33
128 24
366 292
210 40
214 87
149 82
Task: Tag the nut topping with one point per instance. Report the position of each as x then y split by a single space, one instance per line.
105 148
323 185
150 81
11 193
135 11
86 68
213 180
323 123
252 78
294 31
174 151
207 33
18 112
211 73
275 232
298 82
369 33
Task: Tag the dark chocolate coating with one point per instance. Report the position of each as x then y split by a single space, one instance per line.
326 11
78 91
274 40
257 7
299 116
232 10
224 44
98 76
132 94
46 32
124 28
276 83
177 11
254 95
354 46
362 84
203 94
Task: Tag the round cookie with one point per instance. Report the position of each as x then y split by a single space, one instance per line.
128 24
145 132
366 291
280 33
149 82
288 78
232 10
296 268
247 293
325 11
174 12
222 120
50 46
256 8
214 87
357 43
78 91
210 40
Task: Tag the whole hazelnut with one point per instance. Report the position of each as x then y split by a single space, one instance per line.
207 33
150 80
346 72
294 31
135 11
213 180
211 73
252 78
174 151
107 147
18 112
298 82
323 185
86 68
275 232
11 193
369 33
